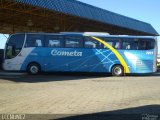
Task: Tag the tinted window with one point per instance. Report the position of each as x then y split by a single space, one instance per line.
54 41
146 44
73 42
34 41
137 44
14 45
114 42
91 43
130 44
16 40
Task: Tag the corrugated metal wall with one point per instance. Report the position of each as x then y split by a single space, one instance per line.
76 8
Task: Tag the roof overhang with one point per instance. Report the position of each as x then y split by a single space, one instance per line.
65 15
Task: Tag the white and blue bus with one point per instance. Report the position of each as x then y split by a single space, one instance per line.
80 52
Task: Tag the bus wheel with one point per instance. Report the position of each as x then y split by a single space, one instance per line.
33 69
117 70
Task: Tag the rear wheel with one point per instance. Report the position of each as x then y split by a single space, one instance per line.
33 69
117 70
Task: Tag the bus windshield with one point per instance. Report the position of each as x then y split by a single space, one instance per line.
131 43
14 46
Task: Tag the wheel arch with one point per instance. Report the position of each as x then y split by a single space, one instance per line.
111 67
34 62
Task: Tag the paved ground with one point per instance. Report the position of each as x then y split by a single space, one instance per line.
80 94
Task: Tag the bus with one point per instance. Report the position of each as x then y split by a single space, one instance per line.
80 52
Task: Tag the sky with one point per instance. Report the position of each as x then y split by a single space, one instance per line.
143 10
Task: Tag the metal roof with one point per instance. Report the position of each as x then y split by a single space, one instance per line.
83 10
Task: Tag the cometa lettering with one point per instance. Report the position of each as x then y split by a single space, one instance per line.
66 53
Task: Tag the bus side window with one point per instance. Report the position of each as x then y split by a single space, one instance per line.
110 43
54 41
129 44
38 43
73 42
114 42
126 46
146 44
34 40
116 45
91 43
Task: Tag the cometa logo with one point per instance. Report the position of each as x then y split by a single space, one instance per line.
66 53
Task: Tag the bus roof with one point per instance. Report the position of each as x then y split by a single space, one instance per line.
98 34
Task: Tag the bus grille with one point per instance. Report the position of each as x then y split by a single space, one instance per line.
144 64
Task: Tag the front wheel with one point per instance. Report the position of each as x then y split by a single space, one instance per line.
117 70
33 69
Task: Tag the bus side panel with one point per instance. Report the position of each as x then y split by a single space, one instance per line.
16 63
139 61
37 55
86 60
72 59
89 60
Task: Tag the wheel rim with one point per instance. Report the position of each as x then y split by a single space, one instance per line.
118 71
34 69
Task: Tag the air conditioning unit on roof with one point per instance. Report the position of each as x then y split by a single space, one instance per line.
96 33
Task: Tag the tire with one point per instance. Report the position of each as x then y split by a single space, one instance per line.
33 69
117 70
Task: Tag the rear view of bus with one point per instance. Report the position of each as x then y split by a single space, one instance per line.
80 52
